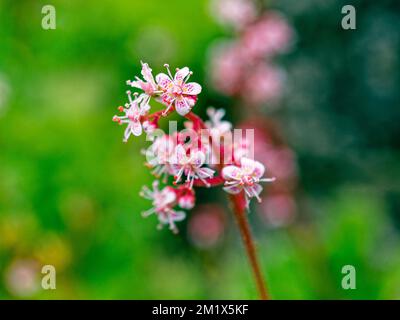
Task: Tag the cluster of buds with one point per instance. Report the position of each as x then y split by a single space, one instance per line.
242 66
192 157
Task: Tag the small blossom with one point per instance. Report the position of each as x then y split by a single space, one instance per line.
21 278
149 127
237 13
218 126
149 85
158 155
163 202
176 92
279 210
246 177
263 84
187 200
207 226
270 35
190 165
133 110
227 66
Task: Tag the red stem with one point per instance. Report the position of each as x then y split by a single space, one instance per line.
239 209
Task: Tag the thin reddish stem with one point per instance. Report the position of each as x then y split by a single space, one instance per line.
239 209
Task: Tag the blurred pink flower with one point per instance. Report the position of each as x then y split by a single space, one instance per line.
226 68
22 278
278 209
263 84
236 13
270 35
281 163
206 226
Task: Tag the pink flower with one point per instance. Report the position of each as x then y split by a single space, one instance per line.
149 86
246 177
133 110
263 84
158 155
279 209
226 67
218 126
206 226
176 92
270 35
190 165
237 13
22 278
149 127
163 203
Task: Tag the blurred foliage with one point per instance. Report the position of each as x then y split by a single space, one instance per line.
69 186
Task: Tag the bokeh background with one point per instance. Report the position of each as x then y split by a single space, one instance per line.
69 186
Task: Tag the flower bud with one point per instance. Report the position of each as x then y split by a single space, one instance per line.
187 201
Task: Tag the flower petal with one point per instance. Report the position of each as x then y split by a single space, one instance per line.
147 73
231 173
136 84
198 158
178 215
127 133
179 156
191 88
255 189
233 189
182 106
168 195
252 167
205 173
136 128
180 75
163 80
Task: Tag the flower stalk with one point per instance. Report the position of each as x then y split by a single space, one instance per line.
243 224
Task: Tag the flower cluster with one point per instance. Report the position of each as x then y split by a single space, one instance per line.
174 92
187 157
242 66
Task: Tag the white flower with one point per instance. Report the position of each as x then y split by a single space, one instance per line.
158 155
149 85
190 165
216 124
133 110
176 92
163 202
246 177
